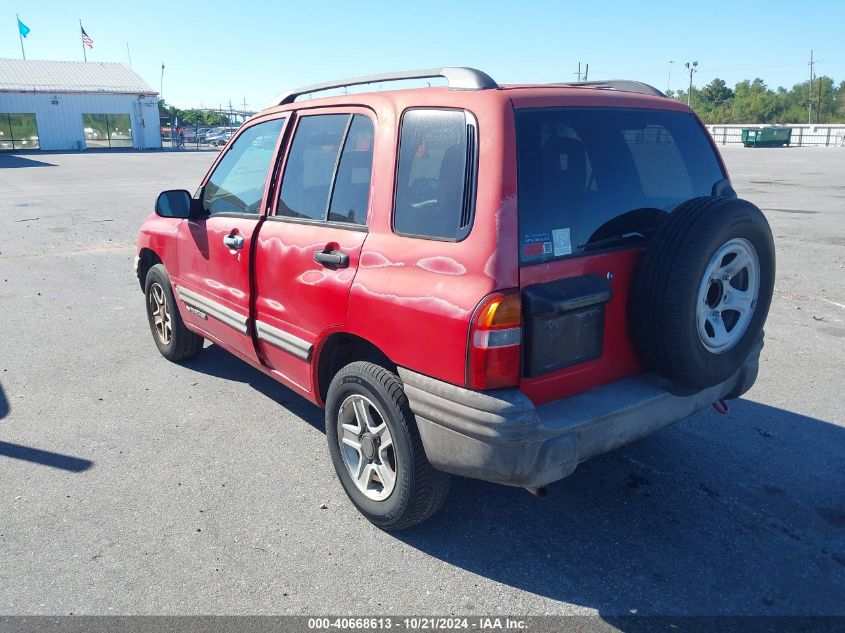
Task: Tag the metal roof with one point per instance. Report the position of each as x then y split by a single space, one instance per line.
37 75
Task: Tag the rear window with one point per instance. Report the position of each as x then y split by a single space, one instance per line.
593 178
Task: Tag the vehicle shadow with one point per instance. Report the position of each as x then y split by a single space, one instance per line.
13 161
737 514
216 361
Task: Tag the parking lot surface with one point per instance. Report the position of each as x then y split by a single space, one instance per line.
132 485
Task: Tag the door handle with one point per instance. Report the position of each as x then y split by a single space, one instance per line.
332 259
233 241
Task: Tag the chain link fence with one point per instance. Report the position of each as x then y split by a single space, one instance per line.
195 138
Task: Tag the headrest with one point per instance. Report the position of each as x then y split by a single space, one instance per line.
564 162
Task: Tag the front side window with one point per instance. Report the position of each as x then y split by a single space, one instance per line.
237 183
107 130
18 131
436 174
328 170
592 178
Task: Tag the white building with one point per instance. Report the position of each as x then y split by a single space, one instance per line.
75 105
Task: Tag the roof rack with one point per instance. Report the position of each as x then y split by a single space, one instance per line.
623 85
456 77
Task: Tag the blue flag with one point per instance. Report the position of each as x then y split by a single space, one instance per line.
23 28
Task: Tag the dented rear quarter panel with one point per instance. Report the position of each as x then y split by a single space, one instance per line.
414 297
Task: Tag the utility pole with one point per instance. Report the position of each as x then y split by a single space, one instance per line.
161 84
586 71
669 78
128 54
810 92
578 74
691 68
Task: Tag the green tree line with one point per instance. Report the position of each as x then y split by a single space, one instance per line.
754 102
193 117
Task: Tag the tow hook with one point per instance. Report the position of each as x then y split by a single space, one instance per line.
541 492
721 406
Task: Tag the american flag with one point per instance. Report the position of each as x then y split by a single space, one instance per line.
85 39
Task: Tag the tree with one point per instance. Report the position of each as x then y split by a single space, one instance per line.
716 93
192 117
752 101
840 102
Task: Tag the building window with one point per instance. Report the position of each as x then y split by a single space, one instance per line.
107 130
18 131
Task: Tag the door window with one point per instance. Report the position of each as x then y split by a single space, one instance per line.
328 171
237 183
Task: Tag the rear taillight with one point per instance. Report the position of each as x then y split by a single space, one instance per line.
493 354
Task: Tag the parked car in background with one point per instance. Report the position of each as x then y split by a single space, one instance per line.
218 137
586 279
202 133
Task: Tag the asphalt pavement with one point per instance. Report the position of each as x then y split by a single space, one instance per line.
131 485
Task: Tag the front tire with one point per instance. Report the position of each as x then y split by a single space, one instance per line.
173 339
376 449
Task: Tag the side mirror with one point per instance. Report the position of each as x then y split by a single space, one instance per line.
176 203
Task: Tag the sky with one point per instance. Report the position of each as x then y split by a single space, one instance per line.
248 51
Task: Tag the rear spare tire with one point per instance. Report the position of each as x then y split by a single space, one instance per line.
703 290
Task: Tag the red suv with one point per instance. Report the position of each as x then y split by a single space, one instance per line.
498 282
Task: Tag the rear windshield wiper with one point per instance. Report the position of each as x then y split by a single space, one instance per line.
612 240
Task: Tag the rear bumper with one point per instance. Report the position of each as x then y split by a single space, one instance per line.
501 436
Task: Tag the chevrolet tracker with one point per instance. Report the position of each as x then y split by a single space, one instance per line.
493 281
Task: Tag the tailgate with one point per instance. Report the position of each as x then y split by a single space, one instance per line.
593 183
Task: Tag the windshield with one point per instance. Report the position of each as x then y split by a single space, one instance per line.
602 177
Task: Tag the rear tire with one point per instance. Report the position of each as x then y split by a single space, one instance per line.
397 488
173 339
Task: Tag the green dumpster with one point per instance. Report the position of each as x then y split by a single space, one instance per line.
766 136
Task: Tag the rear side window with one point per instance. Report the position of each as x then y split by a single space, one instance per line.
327 175
592 178
435 188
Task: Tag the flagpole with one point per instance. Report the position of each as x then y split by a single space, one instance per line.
84 54
20 36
